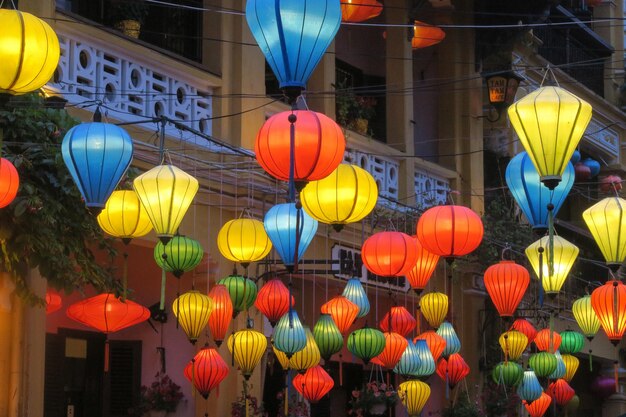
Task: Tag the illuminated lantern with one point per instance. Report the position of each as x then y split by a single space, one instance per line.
607 222
414 395
409 362
609 303
453 370
244 241
453 344
53 302
247 347
124 217
289 334
30 52
282 358
548 340
366 343
450 231
560 391
436 344
399 320
354 292
565 254
560 370
538 407
395 345
319 145
243 292
273 300
166 193
289 227
586 317
313 384
343 312
327 336
529 389
531 195
389 254
434 307
513 344
524 326
222 313
543 363
308 357
427 365
360 10
107 313
550 122
423 269
508 374
97 155
506 283
571 366
182 254
346 196
206 371
192 310
9 181
571 342
425 35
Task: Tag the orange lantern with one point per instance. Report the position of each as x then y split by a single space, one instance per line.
538 407
609 303
561 391
435 343
9 182
107 313
53 301
548 341
389 254
453 370
524 326
222 313
395 345
425 35
399 320
273 300
206 370
313 384
506 282
423 269
360 10
343 312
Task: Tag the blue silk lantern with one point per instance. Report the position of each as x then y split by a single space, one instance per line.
97 156
293 36
593 165
575 157
409 361
290 229
530 389
354 292
453 344
427 365
560 370
289 335
531 194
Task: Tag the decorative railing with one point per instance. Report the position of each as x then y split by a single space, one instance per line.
430 190
384 171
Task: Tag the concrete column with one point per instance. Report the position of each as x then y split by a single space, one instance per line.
614 406
6 326
320 88
614 35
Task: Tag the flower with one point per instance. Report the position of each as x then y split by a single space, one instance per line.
162 394
370 394
238 407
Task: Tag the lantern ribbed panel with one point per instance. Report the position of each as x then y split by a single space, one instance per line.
243 292
343 312
354 292
436 344
244 241
543 363
571 342
399 320
565 254
538 407
427 364
414 395
450 230
434 307
409 362
360 11
289 334
513 344
607 222
183 254
282 358
192 310
508 374
307 357
327 336
395 345
247 347
425 35
586 317
30 52
319 146
560 391
273 300
313 384
609 303
529 389
453 370
560 370
548 340
107 313
366 343
506 283
222 313
53 302
9 182
389 254
124 217
524 326
453 344
207 369
571 366
422 271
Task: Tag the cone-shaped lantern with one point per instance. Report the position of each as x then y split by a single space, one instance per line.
609 303
513 344
586 317
529 389
343 312
565 254
124 217
243 292
399 320
313 384
327 336
571 366
182 254
543 363
273 300
395 345
360 10
414 395
366 343
538 407
409 362
453 344
423 269
571 342
354 292
389 254
434 307
53 302
427 365
436 344
524 326
450 231
453 370
247 347
548 340
243 240
607 222
9 182
425 35
508 374
560 391
506 283
107 313
289 334
206 370
192 309
222 313
560 370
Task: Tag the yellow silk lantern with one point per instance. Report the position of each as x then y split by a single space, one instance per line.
29 53
434 307
247 347
192 310
166 193
302 359
550 122
243 240
124 217
564 255
345 196
513 344
571 366
586 316
414 395
607 222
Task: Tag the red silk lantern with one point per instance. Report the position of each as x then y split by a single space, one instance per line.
319 146
389 254
395 345
524 326
609 303
360 10
399 320
506 282
548 341
53 302
450 230
273 300
343 312
207 369
561 391
222 313
107 313
435 343
9 182
539 407
425 35
423 269
453 370
313 384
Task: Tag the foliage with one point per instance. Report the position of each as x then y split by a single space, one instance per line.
238 407
296 408
371 394
128 10
499 401
162 394
462 408
350 106
47 226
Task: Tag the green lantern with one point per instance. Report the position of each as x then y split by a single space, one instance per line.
571 342
508 373
327 336
543 363
182 254
242 292
366 343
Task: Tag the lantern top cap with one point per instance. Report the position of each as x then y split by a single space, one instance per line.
549 94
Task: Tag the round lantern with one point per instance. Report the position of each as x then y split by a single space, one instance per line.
529 389
571 342
582 172
548 340
318 146
450 231
53 302
508 374
560 370
513 344
453 370
222 313
289 334
395 345
399 320
543 363
389 254
560 391
572 405
247 347
273 300
9 181
571 366
586 317
343 312
366 343
594 166
313 384
607 222
603 386
575 157
538 407
506 284
354 292
425 265
30 52
107 313
409 362
97 155
434 307
181 254
611 184
206 371
425 35
609 303
327 336
243 292
308 357
244 241
360 10
524 326
414 395
427 365
564 255
346 196
192 310
435 343
453 344
124 217
166 193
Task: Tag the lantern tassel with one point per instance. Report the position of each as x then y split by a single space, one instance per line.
551 341
299 230
615 373
340 370
125 277
193 378
287 393
590 361
540 250
162 304
106 355
292 156
550 240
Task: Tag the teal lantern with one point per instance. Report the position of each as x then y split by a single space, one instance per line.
366 343
560 370
354 292
529 389
427 365
289 335
508 373
453 344
409 361
327 336
543 363
180 255
571 342
242 292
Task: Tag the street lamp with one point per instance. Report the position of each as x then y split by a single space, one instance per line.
502 86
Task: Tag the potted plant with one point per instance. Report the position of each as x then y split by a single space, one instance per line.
127 16
373 399
238 407
161 397
462 408
353 111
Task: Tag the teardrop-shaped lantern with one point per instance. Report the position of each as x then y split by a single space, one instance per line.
243 292
222 313
560 391
313 384
366 343
450 231
453 344
282 358
538 407
548 340
399 320
395 345
531 195
97 156
343 312
571 366
436 344
513 344
247 347
524 326
243 240
425 35
124 216
273 300
289 334
308 357
565 254
107 313
560 370
434 307
543 363
609 303
53 302
427 365
550 122
414 395
423 269
354 292
166 193
206 370
508 374
506 283
586 317
409 362
182 254
327 336
529 389
192 309
571 342
453 370
9 182
607 222
361 10
389 254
